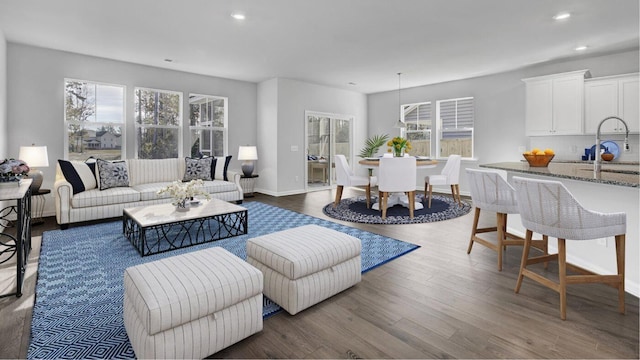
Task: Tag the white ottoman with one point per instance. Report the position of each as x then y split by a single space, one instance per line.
305 265
191 305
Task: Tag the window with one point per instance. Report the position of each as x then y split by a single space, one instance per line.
455 127
158 115
208 125
94 120
417 117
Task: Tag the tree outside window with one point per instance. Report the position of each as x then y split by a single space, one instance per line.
158 115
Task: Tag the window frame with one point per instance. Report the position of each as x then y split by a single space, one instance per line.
122 125
405 132
180 121
441 130
224 129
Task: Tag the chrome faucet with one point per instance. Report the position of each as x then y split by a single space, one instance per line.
598 159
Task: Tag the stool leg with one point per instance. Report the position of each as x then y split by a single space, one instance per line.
545 247
338 195
474 229
620 240
562 274
525 256
500 218
430 191
426 189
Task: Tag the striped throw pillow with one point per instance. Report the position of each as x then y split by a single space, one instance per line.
78 174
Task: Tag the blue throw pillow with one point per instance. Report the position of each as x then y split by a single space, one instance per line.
198 169
112 174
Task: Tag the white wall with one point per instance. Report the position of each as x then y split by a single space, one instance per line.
267 137
36 79
293 99
4 138
500 109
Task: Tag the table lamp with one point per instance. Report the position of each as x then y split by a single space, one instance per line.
247 154
34 156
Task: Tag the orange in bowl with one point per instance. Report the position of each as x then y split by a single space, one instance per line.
539 159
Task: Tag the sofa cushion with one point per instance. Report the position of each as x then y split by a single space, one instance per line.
78 174
198 169
96 197
150 191
218 186
146 171
112 174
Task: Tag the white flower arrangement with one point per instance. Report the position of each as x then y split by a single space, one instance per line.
183 192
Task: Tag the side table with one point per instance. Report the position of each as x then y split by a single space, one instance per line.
38 202
16 243
248 184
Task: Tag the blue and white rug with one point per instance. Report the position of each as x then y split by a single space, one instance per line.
355 210
79 292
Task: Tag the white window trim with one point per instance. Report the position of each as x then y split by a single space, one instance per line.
122 125
404 131
145 126
440 129
225 129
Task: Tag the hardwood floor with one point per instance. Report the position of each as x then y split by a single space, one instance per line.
435 302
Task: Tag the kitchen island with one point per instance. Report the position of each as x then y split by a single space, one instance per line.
615 189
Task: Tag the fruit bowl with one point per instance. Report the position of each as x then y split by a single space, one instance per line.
538 160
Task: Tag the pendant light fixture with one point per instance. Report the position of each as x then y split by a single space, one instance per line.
399 123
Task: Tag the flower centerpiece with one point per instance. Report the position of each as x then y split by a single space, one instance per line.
399 146
182 192
12 170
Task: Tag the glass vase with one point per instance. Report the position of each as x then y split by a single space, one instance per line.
398 152
182 205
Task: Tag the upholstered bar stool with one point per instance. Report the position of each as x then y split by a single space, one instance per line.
490 191
547 207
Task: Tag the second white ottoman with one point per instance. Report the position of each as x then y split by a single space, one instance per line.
305 265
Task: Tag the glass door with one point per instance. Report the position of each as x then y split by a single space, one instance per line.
327 135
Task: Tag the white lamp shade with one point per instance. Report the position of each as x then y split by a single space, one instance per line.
247 153
34 156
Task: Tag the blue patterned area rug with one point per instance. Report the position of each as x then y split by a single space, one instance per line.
79 292
355 210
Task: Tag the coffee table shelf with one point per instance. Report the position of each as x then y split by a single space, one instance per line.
159 228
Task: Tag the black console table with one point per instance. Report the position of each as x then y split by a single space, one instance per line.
16 216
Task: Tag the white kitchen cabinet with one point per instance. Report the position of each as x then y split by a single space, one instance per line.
555 104
612 96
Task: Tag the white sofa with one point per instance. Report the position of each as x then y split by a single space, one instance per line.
146 177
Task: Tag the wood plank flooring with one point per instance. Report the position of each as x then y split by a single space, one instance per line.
435 302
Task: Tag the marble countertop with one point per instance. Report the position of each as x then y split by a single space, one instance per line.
620 174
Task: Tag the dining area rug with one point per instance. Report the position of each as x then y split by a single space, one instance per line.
355 210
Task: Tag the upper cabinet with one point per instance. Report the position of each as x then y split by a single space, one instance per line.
612 96
555 103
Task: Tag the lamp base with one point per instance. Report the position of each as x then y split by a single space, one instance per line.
247 168
36 176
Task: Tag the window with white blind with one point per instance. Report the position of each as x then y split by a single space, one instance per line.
455 124
208 125
417 117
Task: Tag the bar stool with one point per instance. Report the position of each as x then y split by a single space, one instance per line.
491 192
547 207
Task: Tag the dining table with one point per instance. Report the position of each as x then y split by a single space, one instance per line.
399 198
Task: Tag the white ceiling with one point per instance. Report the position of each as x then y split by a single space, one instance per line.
328 42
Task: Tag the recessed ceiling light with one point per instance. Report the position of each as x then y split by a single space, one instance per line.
581 48
352 83
562 16
168 60
238 16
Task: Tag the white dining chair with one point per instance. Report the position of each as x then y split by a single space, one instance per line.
450 175
547 207
490 191
346 177
397 175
